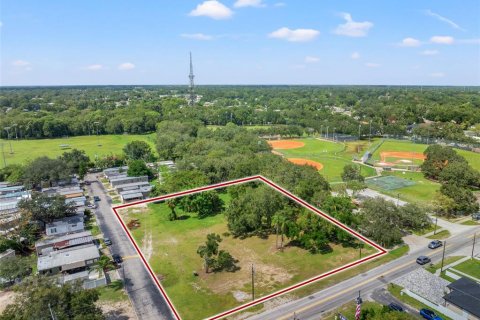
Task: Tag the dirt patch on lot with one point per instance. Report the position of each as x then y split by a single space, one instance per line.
285 144
118 310
6 298
301 161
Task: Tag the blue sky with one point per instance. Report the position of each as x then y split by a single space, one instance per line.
60 42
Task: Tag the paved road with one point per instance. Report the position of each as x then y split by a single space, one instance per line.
313 306
145 296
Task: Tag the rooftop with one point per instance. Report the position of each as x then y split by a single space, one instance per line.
126 178
66 220
67 237
465 294
67 256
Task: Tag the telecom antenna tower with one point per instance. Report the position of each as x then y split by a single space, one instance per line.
191 87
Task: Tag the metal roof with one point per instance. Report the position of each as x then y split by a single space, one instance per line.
130 196
465 294
67 237
65 257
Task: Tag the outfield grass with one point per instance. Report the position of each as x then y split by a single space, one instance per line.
471 267
333 155
473 158
25 150
171 250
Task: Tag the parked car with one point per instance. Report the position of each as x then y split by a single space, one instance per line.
476 216
87 182
396 307
423 260
96 198
107 241
429 315
117 258
92 206
435 244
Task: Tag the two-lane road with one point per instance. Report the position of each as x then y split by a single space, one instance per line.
313 306
147 300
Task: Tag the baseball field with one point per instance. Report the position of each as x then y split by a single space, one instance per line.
327 157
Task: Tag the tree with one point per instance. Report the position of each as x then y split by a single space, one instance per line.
209 250
138 150
44 169
351 172
39 295
104 263
225 261
204 204
46 208
461 174
14 267
137 168
356 187
12 173
465 202
172 216
437 158
443 205
77 162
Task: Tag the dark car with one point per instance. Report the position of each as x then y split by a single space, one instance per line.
107 241
429 315
96 198
435 244
476 216
423 260
117 258
395 307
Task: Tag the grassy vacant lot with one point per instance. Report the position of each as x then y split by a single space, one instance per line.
170 247
333 156
25 150
422 191
471 267
408 146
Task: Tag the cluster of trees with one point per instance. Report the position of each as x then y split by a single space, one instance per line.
385 223
213 258
55 112
40 298
457 177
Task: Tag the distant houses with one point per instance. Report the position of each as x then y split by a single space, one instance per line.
10 196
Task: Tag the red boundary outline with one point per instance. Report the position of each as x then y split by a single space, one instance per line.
381 250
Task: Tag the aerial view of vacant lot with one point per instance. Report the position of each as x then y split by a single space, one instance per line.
204 258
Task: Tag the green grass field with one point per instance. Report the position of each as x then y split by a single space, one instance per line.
333 156
422 191
471 267
408 146
25 150
170 247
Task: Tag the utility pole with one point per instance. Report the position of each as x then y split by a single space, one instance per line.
435 230
253 283
3 153
359 134
51 312
327 132
370 136
191 86
473 246
443 255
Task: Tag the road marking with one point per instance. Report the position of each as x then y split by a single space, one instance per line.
131 257
311 306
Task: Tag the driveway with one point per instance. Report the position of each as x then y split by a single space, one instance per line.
147 300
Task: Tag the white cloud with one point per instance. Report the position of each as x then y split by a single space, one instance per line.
443 19
352 28
355 55
280 4
372 65
212 9
442 39
94 67
197 36
437 74
311 59
297 35
126 66
410 42
20 63
249 3
429 52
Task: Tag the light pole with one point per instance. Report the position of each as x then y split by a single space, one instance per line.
253 283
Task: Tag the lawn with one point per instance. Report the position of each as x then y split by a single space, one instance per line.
333 155
447 261
422 191
444 234
395 290
471 267
113 292
24 150
170 247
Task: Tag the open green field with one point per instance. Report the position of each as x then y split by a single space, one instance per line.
473 158
170 247
422 191
333 155
471 267
25 150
